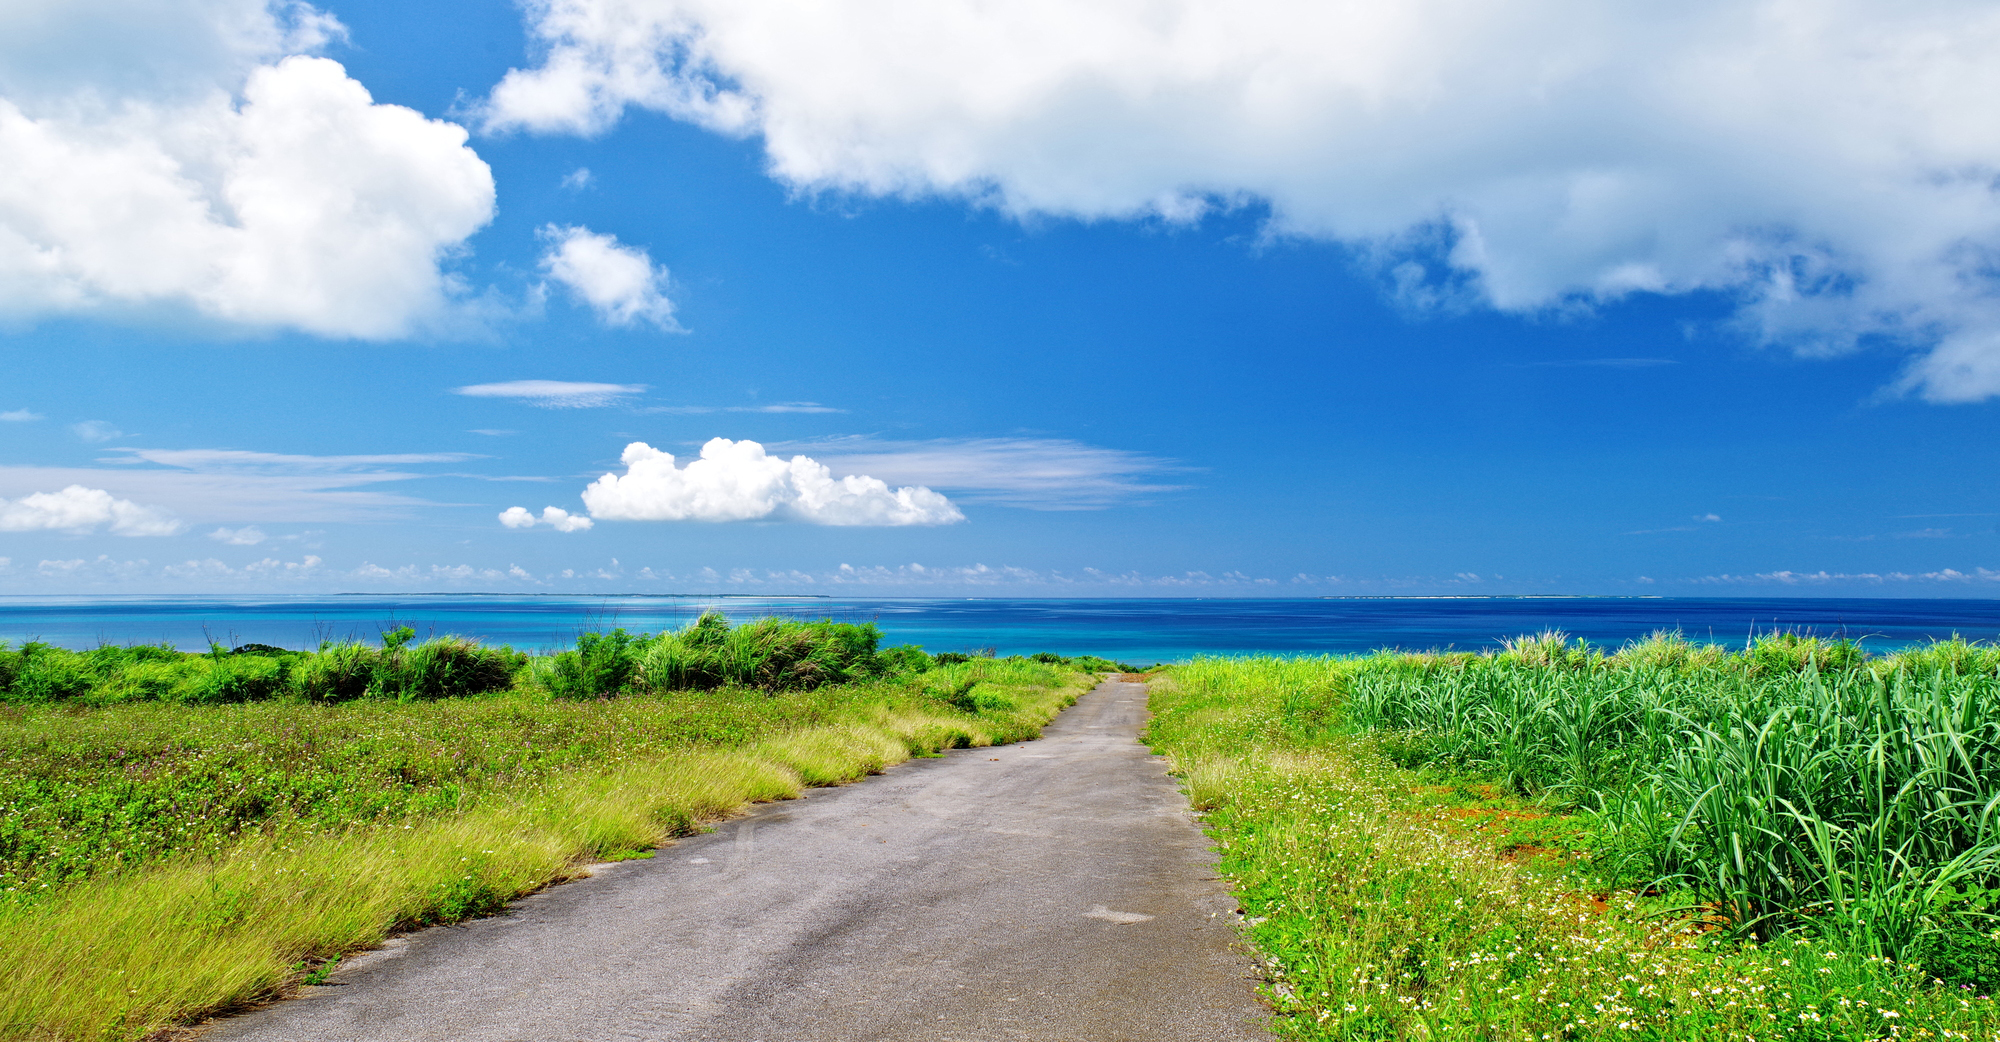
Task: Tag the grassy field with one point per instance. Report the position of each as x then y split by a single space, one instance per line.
1554 843
165 853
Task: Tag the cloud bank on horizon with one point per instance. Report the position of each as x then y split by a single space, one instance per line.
1827 166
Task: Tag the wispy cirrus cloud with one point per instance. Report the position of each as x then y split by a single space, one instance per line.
1035 473
1596 363
554 394
280 462
96 431
775 407
232 486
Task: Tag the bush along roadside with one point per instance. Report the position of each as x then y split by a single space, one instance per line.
771 654
1519 846
440 809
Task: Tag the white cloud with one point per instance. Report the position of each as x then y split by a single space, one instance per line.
79 509
19 416
555 517
619 282
248 535
95 431
736 481
553 394
563 521
1038 473
1827 165
192 155
579 179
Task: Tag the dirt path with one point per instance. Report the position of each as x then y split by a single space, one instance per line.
1053 890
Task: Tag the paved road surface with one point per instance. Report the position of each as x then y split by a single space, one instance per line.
1053 890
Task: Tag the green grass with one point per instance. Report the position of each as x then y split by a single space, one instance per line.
1459 846
85 791
167 858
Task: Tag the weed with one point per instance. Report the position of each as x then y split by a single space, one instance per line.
320 973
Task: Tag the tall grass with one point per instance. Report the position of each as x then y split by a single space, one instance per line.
292 832
1385 911
1794 785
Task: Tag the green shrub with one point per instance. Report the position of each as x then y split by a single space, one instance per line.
146 681
1793 653
602 665
1964 958
336 672
773 654
445 667
1956 657
222 681
1668 650
46 673
1550 648
903 659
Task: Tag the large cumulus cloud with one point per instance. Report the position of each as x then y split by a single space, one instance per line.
1827 164
738 481
77 509
196 156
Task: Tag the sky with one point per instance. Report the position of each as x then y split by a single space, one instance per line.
947 298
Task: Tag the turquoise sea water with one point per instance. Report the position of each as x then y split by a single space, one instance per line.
1130 630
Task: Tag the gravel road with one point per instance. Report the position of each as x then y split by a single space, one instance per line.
1052 890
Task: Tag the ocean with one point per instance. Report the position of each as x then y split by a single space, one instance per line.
1136 631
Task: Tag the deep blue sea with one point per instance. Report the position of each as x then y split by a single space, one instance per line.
1136 631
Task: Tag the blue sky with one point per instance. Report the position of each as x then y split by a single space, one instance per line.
1094 299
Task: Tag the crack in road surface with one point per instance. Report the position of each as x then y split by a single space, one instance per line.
1054 890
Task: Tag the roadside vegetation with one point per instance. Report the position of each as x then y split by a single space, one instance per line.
1794 841
186 833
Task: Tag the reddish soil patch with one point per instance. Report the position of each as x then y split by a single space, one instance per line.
1473 813
1520 852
